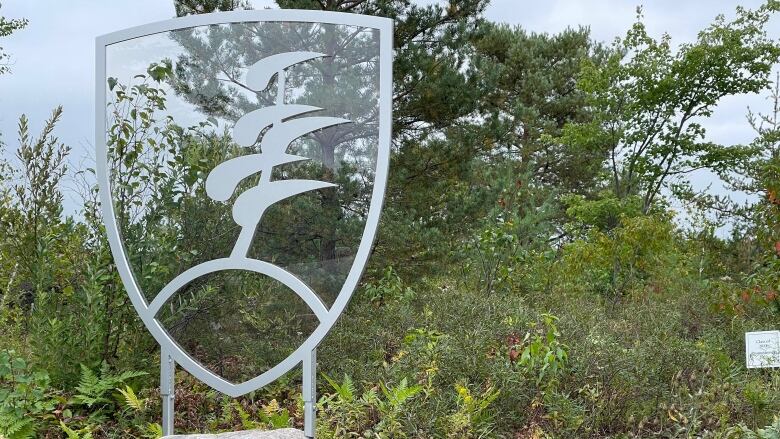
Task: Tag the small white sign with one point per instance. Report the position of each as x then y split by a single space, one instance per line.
762 349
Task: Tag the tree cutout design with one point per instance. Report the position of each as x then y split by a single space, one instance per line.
285 127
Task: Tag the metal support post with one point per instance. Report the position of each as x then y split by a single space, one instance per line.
310 394
167 382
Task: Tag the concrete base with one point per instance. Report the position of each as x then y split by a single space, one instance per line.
286 433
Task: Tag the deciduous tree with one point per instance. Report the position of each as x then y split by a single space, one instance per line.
649 98
7 27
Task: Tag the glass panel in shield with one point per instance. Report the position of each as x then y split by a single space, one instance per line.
242 161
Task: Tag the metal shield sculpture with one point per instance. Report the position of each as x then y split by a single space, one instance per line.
255 145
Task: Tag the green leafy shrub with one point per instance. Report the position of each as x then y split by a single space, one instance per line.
27 401
542 353
388 288
372 414
743 432
473 418
528 181
613 261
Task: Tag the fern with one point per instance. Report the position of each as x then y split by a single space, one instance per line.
743 432
84 433
399 394
274 416
227 411
344 391
132 401
25 397
246 421
153 431
15 427
89 387
93 388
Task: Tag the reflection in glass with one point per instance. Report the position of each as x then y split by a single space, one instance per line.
202 170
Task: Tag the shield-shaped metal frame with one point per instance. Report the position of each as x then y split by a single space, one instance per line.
305 352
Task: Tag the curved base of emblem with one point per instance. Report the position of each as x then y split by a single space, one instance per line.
171 353
193 366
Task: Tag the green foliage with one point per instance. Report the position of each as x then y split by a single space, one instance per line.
26 397
7 27
388 288
611 262
187 7
132 401
16 428
83 433
647 98
344 411
391 408
472 418
269 416
743 432
49 288
153 431
543 354
496 249
94 388
344 414
32 225
602 213
273 416
529 279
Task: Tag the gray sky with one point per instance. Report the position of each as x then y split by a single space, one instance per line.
53 58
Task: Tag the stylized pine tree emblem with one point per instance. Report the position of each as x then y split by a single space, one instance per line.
358 73
285 127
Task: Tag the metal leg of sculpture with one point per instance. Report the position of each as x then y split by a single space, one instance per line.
310 394
167 376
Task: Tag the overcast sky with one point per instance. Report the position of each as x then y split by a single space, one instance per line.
53 58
